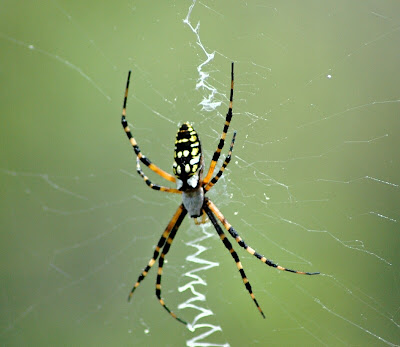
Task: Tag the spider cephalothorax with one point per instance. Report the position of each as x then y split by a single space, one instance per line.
188 168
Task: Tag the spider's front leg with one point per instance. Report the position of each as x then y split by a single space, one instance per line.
234 255
242 244
172 226
161 264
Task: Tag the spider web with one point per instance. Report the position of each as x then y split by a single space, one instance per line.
313 184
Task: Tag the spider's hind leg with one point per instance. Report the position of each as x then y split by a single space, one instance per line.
228 119
215 179
146 161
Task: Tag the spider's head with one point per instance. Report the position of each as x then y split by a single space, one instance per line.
188 159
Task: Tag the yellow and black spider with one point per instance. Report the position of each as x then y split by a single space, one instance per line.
188 169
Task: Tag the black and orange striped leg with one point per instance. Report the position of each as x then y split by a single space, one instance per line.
228 118
152 185
224 165
234 255
161 264
133 142
242 244
172 225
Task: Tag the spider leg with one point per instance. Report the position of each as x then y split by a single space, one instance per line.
234 255
154 186
242 244
133 142
224 165
228 118
172 225
161 264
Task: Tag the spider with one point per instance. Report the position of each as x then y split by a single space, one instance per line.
188 169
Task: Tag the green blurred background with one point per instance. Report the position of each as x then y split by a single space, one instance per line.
313 185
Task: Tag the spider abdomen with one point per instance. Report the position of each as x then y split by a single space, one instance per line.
188 160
